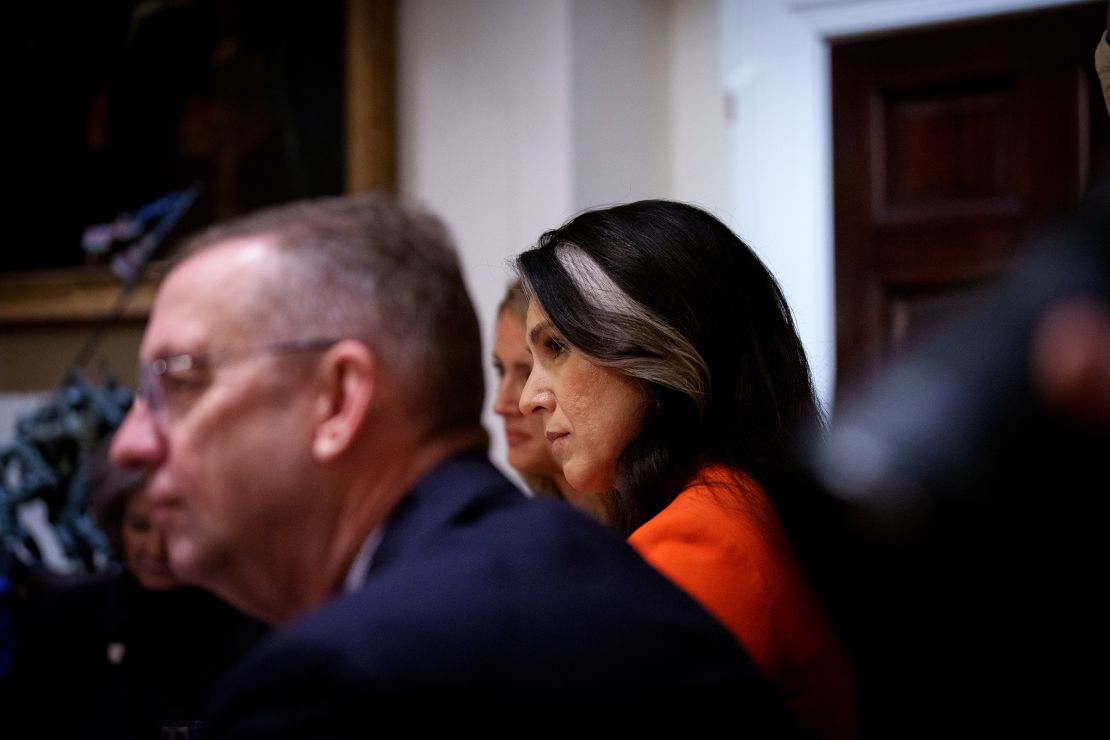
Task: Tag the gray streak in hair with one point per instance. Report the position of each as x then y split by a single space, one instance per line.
669 359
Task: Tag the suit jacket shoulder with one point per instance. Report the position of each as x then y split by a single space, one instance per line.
488 610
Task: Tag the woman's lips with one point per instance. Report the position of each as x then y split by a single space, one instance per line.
515 438
555 440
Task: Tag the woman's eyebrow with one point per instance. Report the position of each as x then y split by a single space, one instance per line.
536 331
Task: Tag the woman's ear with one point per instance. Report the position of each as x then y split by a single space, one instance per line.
346 379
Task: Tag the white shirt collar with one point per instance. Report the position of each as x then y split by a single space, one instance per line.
356 575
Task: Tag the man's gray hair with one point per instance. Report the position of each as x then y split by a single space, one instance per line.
371 267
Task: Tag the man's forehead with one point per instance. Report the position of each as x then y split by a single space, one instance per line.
203 301
227 256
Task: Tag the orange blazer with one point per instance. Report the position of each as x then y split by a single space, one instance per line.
721 541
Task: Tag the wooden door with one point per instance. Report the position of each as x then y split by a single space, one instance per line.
950 144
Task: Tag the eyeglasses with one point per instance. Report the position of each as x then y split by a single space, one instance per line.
161 377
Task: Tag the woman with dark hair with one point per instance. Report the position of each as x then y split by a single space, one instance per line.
672 385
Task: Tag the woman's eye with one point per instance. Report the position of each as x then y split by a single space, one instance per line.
499 369
554 347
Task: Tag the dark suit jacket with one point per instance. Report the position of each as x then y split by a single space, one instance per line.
487 611
102 658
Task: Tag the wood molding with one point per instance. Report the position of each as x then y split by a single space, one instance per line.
71 295
837 19
370 96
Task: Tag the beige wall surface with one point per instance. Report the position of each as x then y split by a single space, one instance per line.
52 319
36 358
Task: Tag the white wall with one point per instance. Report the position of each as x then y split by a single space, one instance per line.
485 131
700 110
619 101
771 65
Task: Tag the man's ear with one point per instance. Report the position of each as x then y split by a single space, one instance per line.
346 381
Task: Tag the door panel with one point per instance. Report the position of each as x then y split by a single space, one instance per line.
949 145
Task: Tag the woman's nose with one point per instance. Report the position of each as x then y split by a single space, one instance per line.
535 396
507 400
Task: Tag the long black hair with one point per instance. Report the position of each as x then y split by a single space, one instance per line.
665 292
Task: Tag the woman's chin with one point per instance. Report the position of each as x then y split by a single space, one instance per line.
588 479
528 462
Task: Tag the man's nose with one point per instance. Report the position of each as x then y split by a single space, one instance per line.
138 443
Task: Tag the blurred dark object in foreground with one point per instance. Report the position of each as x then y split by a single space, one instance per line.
964 555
